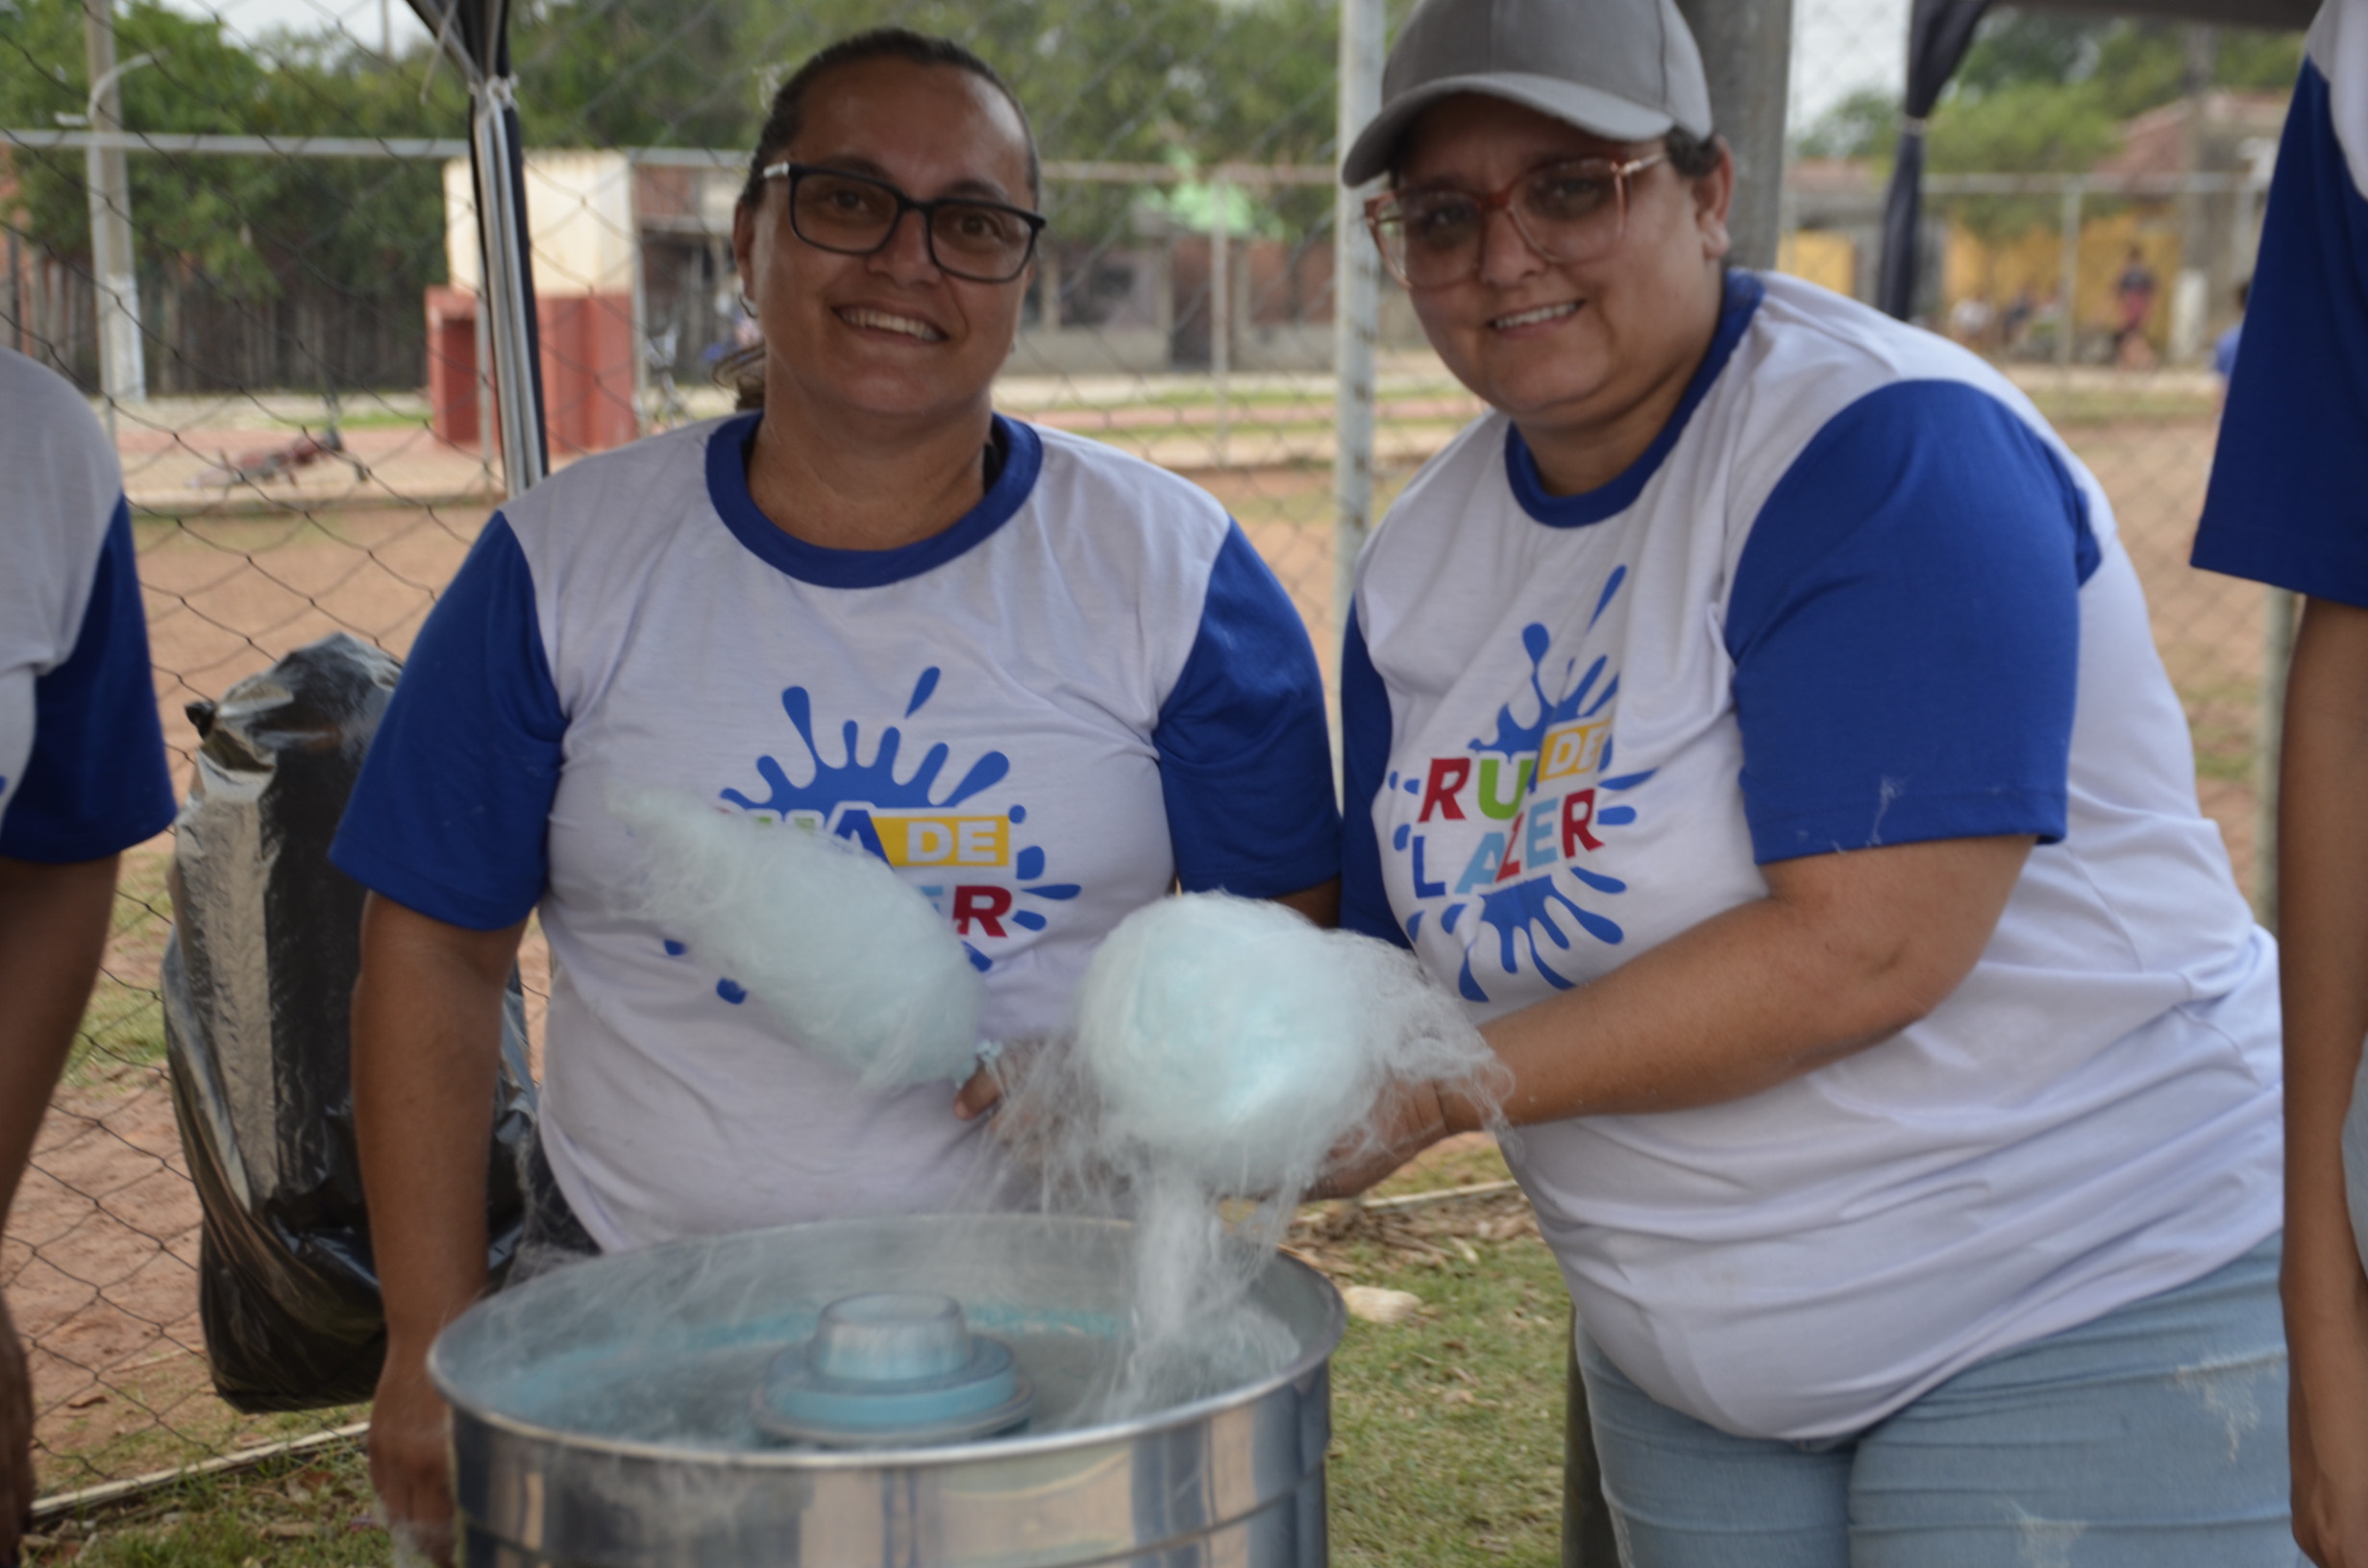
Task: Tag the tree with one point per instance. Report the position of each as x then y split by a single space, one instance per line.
1196 83
2044 92
349 239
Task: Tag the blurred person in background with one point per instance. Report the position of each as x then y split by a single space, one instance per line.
82 778
759 610
1755 718
2134 300
2288 505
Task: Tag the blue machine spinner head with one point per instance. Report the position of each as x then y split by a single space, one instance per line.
892 1369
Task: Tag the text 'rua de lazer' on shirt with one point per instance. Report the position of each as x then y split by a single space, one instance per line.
897 819
912 841
1536 833
1541 777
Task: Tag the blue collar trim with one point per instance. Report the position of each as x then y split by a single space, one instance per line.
1744 291
728 491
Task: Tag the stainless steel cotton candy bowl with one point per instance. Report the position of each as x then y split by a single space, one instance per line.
616 1414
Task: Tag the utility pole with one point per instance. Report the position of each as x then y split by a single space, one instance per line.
2191 300
1747 54
123 372
1356 311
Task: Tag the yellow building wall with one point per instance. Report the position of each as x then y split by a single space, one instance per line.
1827 259
1996 270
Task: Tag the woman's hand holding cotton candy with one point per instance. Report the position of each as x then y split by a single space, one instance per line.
981 1093
1408 1118
1238 1045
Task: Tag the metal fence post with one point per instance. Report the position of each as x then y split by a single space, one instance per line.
123 372
640 296
505 298
2069 285
1220 301
1747 54
1356 309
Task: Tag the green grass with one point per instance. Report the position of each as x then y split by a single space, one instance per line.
299 1512
1447 1440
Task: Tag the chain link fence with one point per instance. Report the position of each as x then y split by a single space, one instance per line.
308 442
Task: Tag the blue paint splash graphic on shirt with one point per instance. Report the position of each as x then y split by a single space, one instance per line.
1532 914
874 783
1525 910
875 787
1513 738
1611 586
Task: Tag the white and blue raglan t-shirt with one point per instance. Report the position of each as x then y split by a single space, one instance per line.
1855 593
1088 690
2288 500
81 753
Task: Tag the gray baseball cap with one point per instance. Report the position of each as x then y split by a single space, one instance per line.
1624 69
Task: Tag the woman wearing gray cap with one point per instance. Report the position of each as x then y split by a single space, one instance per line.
1755 718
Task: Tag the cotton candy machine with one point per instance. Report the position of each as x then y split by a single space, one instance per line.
929 1391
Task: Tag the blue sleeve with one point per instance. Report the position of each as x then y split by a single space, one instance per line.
1365 757
451 811
1244 761
1905 626
97 782
2288 499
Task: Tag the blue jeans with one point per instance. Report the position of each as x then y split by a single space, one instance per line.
2152 1437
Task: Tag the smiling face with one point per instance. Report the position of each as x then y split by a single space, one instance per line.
1588 359
887 334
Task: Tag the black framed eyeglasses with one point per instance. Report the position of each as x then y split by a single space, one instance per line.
855 214
1575 209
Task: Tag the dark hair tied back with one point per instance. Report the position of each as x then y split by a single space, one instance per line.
1690 155
788 112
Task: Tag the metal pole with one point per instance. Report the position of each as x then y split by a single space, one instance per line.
1747 54
505 296
640 297
2269 739
2068 286
16 291
2191 291
483 329
1220 302
1356 310
123 372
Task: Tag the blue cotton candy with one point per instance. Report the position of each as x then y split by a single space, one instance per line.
1235 1043
858 968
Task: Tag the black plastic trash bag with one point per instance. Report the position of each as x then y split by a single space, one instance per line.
258 982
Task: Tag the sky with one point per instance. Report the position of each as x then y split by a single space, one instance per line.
1838 45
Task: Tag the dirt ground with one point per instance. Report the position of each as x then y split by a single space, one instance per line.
99 1260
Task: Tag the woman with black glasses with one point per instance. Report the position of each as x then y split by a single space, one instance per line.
1042 680
1754 717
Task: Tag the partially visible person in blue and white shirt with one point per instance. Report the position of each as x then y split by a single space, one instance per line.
82 778
1045 681
2288 505
2223 347
1755 720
